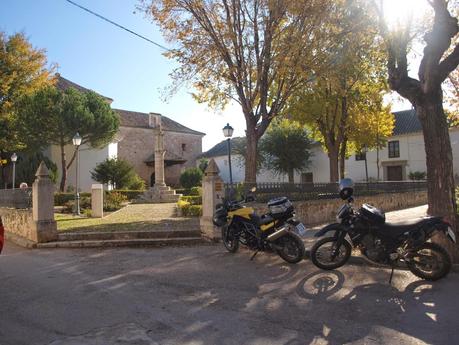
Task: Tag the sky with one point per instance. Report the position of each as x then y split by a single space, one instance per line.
113 62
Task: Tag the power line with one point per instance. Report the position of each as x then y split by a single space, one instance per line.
116 24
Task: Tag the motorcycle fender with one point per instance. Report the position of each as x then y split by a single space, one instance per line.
331 227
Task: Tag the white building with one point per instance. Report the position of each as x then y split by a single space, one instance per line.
403 153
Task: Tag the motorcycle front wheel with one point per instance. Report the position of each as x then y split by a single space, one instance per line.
326 255
430 261
291 248
230 241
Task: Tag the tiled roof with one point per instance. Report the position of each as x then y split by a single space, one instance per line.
64 84
137 119
221 149
406 122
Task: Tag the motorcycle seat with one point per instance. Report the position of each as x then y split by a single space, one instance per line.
399 228
263 220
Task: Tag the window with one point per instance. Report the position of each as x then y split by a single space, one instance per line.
394 149
360 156
183 147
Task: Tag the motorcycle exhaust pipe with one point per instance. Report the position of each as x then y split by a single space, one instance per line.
279 233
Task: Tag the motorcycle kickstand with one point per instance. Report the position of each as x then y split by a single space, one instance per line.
254 254
391 275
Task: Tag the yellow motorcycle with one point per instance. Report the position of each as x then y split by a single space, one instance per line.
275 231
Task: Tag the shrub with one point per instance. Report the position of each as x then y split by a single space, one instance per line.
195 191
117 173
62 198
129 194
183 206
195 211
191 177
113 201
417 175
69 206
189 210
137 184
192 199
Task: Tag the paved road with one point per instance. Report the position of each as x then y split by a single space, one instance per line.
204 295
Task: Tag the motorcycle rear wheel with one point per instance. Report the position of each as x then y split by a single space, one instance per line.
292 248
230 242
430 262
321 253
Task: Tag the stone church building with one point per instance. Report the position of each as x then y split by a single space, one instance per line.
135 143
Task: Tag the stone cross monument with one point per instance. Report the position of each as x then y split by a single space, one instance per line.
159 192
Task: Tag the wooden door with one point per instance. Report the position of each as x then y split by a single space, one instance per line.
394 173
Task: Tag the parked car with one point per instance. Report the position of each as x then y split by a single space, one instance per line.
2 235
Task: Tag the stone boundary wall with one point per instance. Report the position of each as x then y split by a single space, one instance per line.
315 212
18 221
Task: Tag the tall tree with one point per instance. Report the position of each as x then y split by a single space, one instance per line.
333 105
58 115
23 70
253 52
426 96
286 148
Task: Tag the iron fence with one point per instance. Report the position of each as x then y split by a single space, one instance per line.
315 191
16 198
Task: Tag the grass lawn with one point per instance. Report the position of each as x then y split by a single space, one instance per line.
136 217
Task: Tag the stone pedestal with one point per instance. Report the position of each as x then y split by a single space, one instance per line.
45 227
212 194
97 200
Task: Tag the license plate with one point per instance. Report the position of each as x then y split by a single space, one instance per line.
300 228
451 234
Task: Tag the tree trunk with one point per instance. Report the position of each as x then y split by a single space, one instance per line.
377 161
291 176
64 169
439 159
342 159
251 155
333 154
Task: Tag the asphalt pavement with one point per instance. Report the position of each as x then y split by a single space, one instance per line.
204 295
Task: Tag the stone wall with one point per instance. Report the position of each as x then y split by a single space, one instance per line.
316 212
18 222
138 144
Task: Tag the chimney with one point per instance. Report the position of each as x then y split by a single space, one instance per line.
154 120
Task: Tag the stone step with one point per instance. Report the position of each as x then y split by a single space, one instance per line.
127 235
122 243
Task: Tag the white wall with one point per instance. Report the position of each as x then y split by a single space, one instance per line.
238 171
412 156
89 158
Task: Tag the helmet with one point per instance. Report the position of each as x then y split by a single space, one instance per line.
346 188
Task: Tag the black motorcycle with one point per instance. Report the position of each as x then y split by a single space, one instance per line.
382 242
274 231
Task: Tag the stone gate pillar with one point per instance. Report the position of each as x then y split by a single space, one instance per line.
212 194
45 227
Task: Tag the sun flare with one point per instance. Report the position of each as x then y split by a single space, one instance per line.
398 12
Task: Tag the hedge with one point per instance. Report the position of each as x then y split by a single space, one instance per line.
60 199
189 210
192 199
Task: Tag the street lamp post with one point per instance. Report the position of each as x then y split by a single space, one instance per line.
228 133
14 158
77 142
